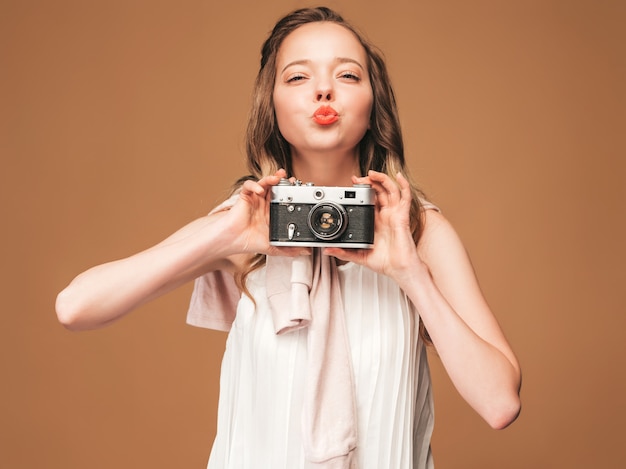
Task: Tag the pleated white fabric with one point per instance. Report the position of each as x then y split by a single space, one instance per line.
263 375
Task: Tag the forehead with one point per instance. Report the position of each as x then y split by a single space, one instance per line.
319 41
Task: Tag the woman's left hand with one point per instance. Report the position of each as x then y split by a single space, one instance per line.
394 252
466 335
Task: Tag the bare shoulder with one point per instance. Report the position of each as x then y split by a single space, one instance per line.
442 250
439 238
452 271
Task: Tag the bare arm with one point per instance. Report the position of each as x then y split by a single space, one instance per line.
439 279
109 291
468 339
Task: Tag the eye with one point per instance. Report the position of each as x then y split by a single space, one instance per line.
350 76
295 78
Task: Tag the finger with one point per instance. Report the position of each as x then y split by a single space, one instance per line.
382 193
252 187
268 181
382 197
405 188
289 251
390 186
360 180
348 255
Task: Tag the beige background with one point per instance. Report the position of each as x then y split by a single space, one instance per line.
123 120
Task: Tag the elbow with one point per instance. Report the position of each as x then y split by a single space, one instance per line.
505 413
68 311
506 404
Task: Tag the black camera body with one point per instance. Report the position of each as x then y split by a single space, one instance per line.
319 216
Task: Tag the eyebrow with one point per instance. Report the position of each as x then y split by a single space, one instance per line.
339 60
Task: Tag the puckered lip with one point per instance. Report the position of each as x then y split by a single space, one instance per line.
325 115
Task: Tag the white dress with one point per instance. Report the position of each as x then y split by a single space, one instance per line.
262 381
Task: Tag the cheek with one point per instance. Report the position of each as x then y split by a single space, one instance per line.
284 104
283 109
279 106
367 104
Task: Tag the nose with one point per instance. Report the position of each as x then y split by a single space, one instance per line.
324 95
324 92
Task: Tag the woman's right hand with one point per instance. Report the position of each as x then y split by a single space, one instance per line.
247 222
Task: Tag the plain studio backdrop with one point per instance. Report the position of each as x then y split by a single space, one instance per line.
123 120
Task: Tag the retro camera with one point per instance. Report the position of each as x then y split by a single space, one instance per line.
309 215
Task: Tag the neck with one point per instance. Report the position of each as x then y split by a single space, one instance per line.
325 168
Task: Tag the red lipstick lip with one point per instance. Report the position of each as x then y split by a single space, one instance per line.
325 115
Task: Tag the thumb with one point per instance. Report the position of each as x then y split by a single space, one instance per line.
348 255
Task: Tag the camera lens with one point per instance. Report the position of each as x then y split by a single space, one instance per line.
327 220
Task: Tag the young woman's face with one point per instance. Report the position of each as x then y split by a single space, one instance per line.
322 94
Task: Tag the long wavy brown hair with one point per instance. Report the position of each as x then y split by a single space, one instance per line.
381 148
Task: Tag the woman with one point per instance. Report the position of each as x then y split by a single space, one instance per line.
348 385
